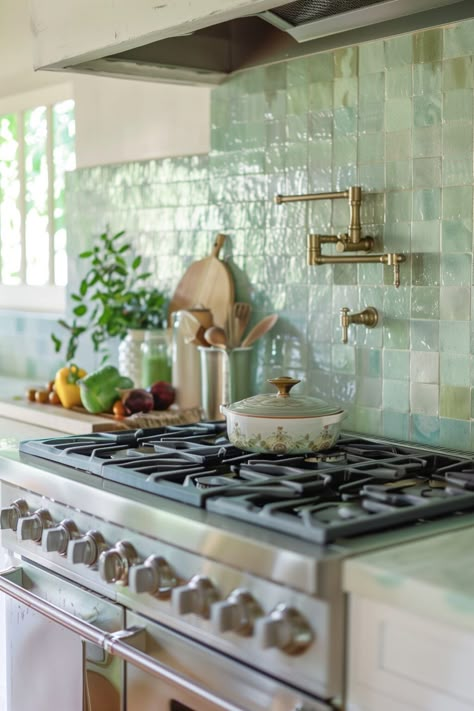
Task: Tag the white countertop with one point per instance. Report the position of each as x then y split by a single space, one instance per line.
433 577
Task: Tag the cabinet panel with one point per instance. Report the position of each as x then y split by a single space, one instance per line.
400 661
23 430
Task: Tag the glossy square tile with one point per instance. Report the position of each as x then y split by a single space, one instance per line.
456 269
425 269
398 114
424 335
425 236
458 39
398 82
457 139
425 429
428 46
426 172
455 402
398 51
425 302
454 336
396 395
427 78
424 367
396 425
427 141
455 434
426 110
424 398
457 73
346 62
454 369
455 303
457 203
457 171
371 57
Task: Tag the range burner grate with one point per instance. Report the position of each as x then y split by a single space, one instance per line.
357 487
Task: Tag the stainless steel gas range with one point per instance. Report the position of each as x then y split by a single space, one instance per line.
165 569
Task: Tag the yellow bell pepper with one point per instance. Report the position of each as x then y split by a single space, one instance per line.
66 385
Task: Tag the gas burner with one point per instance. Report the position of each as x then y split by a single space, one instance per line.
331 456
356 487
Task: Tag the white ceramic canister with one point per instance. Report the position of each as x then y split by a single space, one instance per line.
186 367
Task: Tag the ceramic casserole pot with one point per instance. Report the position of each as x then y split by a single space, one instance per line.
283 423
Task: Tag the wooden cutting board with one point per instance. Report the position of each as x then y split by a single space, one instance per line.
207 283
55 417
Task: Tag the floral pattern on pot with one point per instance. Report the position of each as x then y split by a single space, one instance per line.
280 442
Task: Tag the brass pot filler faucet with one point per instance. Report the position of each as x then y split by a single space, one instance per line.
351 241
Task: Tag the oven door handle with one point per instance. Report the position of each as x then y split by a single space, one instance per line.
111 642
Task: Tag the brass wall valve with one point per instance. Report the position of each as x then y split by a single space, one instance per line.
369 317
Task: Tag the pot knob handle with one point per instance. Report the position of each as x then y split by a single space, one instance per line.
57 537
86 549
284 384
286 629
30 528
114 564
237 614
10 515
154 576
197 596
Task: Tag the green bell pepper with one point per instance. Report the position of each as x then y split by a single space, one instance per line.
101 388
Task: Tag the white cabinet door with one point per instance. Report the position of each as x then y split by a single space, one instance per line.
16 430
402 662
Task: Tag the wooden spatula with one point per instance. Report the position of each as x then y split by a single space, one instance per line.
260 329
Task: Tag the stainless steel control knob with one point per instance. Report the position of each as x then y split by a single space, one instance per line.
197 596
30 528
86 549
10 515
236 614
114 563
286 629
154 576
56 538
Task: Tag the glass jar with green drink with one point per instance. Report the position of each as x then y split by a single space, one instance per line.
156 357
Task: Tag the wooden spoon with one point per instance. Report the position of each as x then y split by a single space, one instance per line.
260 329
216 336
241 315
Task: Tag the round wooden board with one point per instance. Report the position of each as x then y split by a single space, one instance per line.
207 282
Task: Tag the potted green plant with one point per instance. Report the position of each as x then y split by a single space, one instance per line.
113 299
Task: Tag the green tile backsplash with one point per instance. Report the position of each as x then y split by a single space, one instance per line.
394 116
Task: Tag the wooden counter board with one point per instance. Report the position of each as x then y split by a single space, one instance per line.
55 417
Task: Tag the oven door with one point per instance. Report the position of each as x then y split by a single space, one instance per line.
165 671
49 664
199 679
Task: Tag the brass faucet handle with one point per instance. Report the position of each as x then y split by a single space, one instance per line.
369 318
345 322
284 385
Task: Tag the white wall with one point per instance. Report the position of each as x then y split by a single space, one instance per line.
117 120
120 120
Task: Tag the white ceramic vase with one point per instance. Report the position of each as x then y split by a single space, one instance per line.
130 355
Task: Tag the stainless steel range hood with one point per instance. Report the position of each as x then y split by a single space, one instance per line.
209 40
307 20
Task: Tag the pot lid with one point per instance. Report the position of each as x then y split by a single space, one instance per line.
282 404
